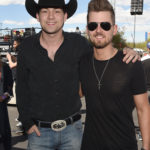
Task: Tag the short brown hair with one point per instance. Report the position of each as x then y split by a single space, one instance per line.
101 5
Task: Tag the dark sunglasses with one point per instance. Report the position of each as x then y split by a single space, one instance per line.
104 25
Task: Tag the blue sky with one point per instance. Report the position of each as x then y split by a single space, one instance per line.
13 15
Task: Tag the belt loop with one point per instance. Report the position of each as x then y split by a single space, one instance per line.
71 119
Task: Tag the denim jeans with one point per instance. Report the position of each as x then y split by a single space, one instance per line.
67 139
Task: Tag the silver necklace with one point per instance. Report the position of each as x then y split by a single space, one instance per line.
99 80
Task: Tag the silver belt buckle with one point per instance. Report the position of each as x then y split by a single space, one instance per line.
58 125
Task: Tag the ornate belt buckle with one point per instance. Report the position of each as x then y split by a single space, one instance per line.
58 125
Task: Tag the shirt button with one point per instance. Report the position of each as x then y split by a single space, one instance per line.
57 93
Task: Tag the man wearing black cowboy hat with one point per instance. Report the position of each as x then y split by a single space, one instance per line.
48 83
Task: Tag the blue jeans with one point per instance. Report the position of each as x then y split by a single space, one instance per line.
67 139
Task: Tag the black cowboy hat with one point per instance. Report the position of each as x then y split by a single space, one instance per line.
33 7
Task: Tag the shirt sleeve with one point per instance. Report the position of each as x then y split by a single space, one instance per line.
22 91
138 83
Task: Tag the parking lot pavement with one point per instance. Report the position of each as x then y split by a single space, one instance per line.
19 141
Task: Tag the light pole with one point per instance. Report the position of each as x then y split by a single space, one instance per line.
134 30
136 9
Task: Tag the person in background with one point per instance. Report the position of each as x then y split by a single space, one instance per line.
48 84
112 88
146 55
6 83
12 61
78 30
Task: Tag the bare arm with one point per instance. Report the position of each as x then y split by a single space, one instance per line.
130 55
10 61
143 112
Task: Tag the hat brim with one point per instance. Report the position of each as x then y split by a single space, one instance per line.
32 7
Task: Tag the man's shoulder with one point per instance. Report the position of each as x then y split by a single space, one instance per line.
119 60
30 38
28 42
78 41
120 54
74 36
118 57
87 57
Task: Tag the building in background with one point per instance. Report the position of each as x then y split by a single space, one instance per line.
147 36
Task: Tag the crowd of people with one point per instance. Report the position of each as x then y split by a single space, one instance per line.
47 86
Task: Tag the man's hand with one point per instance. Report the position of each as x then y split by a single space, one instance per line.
34 129
130 55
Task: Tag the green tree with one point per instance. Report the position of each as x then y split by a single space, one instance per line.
118 40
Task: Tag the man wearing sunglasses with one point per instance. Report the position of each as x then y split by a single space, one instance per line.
112 88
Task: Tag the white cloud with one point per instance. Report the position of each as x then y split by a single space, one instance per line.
79 19
124 18
146 2
69 29
33 21
120 2
8 2
11 22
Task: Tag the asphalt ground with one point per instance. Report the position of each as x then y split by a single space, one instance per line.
19 141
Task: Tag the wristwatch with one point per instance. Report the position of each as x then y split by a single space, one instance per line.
143 148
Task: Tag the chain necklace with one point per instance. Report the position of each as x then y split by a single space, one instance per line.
99 80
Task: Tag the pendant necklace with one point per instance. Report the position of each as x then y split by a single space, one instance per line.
99 79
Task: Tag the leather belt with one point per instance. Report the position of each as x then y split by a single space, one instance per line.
58 125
